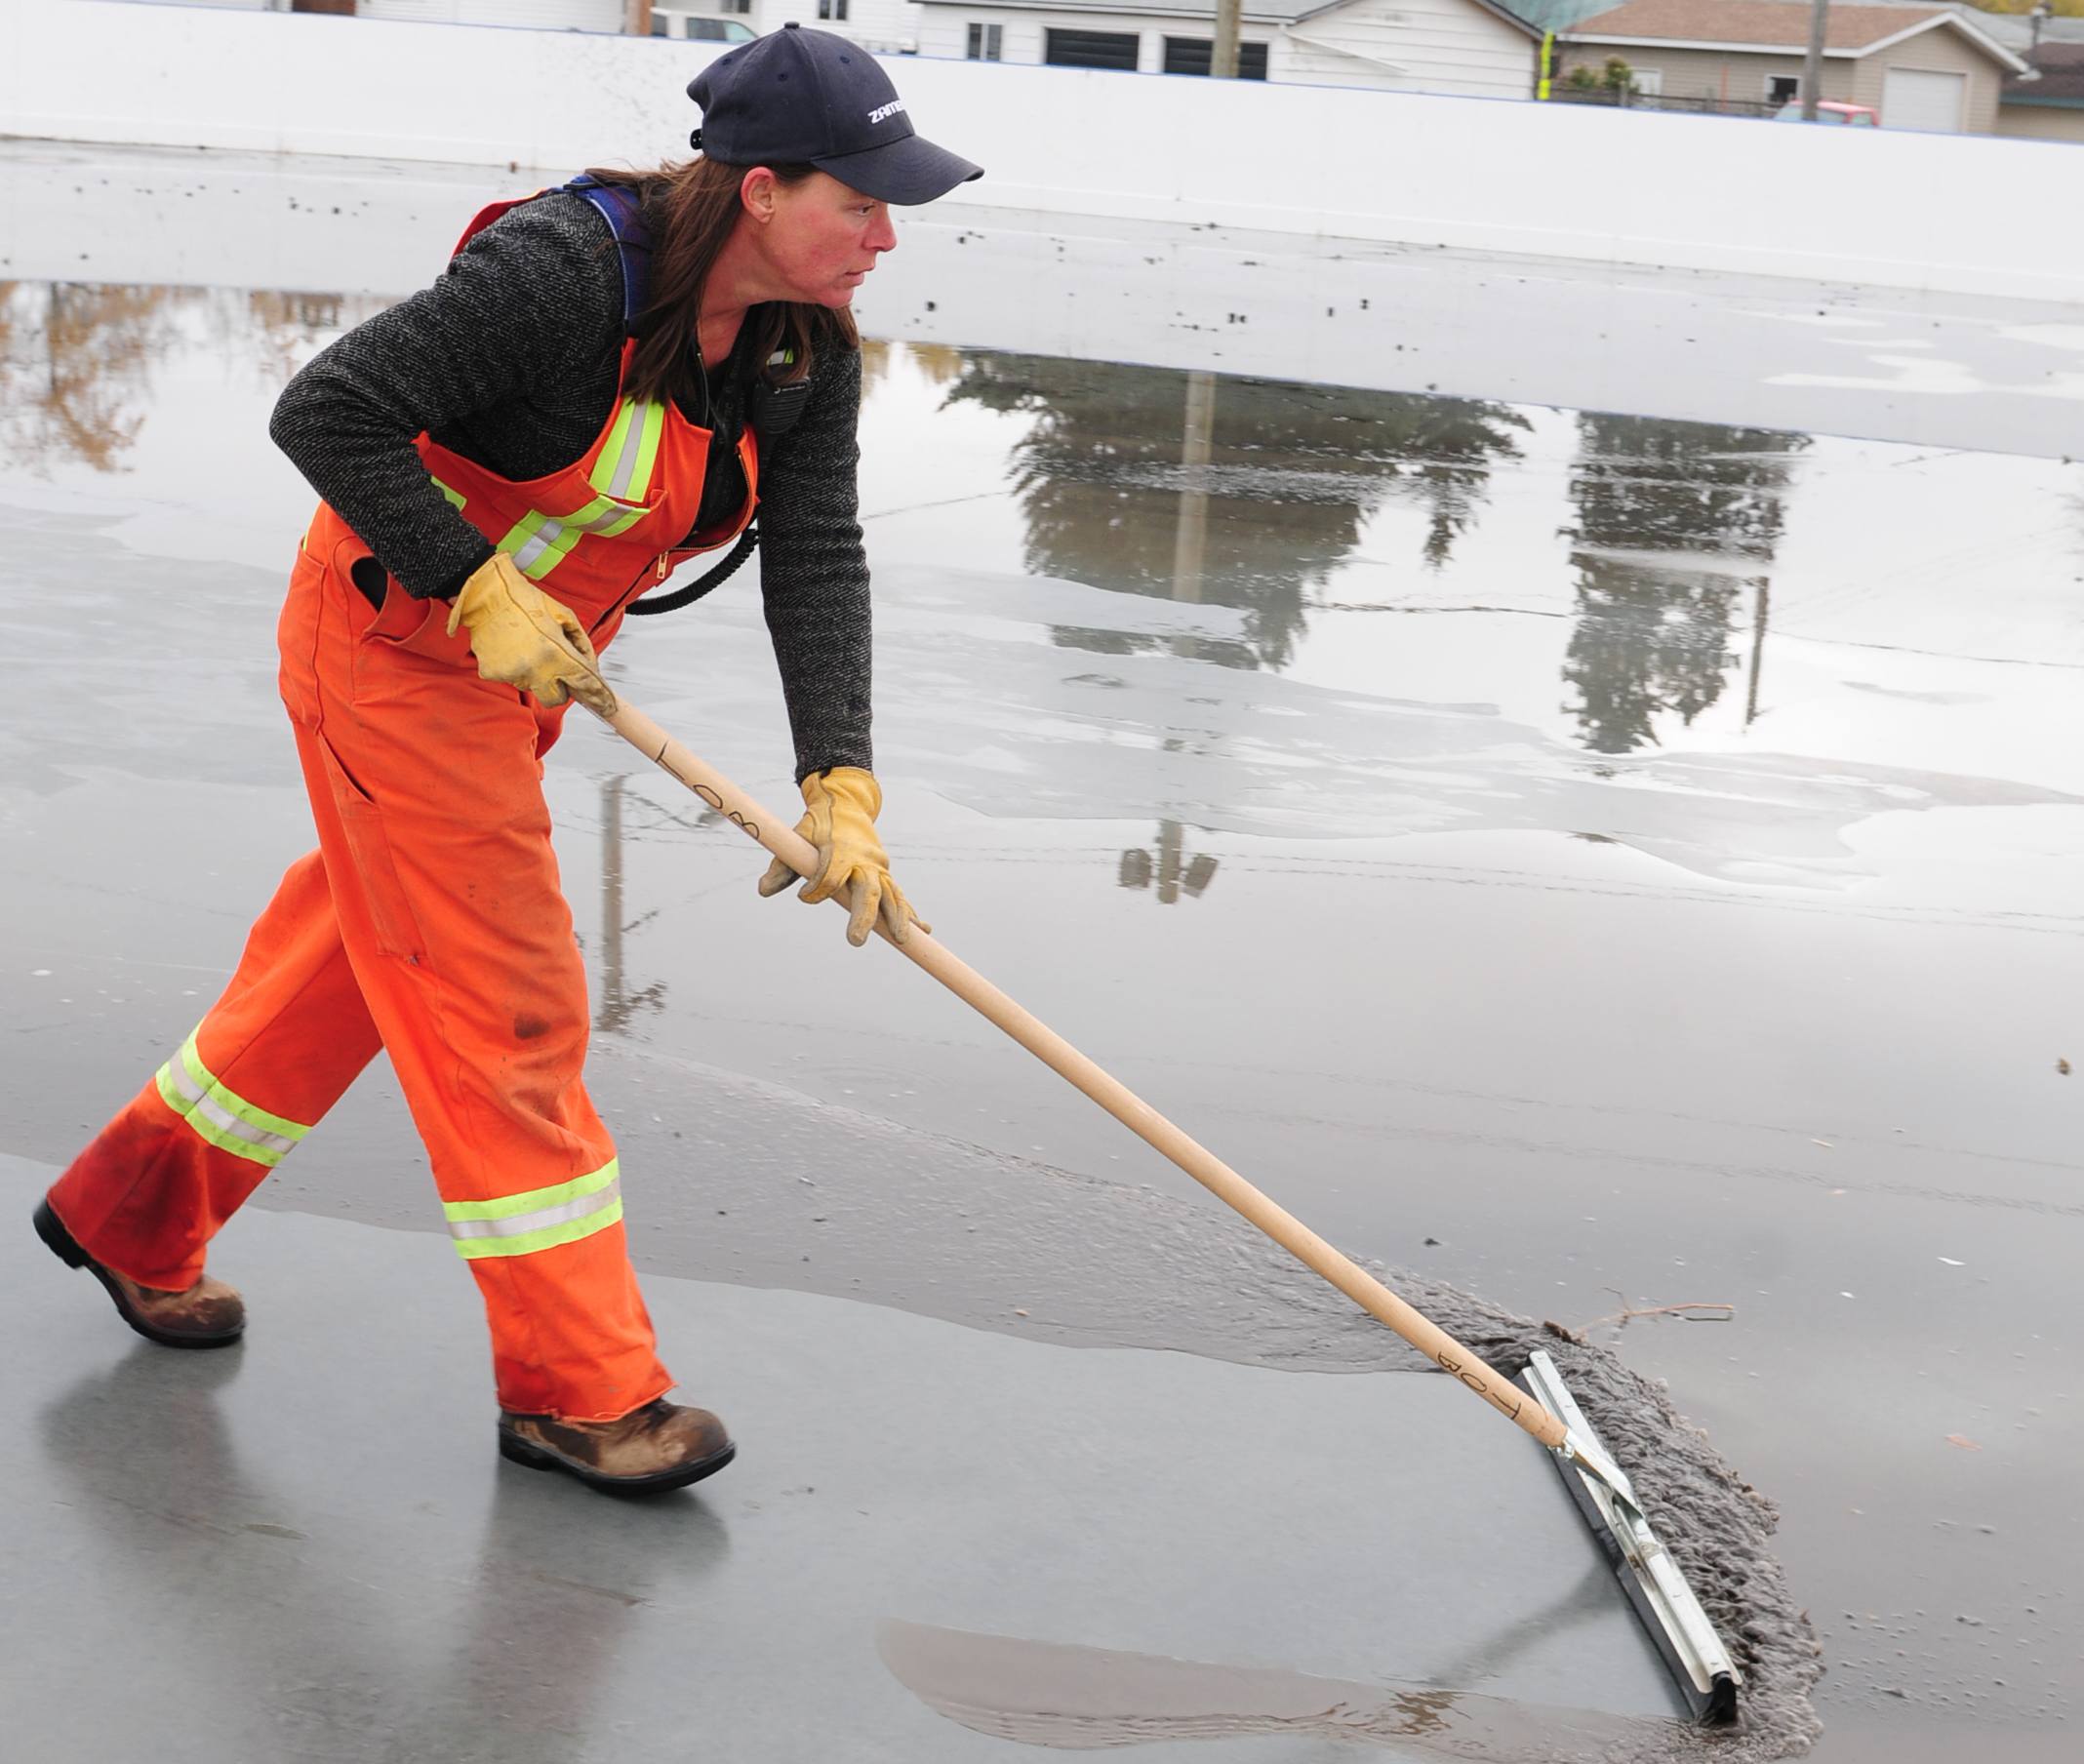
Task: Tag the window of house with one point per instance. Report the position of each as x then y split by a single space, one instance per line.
986 41
1782 88
1192 55
832 10
1090 48
1650 81
734 5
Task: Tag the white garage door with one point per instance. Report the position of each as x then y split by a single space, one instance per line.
1911 99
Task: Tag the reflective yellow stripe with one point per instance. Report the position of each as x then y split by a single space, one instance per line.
624 468
456 496
539 542
647 454
220 1115
519 1225
606 516
602 477
476 1249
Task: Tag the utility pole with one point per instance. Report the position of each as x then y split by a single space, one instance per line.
1222 52
1812 61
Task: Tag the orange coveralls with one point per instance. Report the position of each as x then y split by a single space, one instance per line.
429 922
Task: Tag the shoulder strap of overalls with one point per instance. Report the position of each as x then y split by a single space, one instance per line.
633 239
773 407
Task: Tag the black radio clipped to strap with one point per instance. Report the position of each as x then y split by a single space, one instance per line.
777 405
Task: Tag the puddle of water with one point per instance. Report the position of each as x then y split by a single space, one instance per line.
1624 585
1065 1697
1604 587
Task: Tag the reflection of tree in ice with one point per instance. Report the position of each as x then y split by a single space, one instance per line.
876 352
285 330
935 363
1675 520
75 364
77 360
1275 481
941 363
1451 445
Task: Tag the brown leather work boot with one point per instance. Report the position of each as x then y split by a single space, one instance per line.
208 1314
660 1446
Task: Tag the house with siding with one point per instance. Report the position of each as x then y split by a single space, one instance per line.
890 25
607 15
2047 102
1471 48
887 26
1921 67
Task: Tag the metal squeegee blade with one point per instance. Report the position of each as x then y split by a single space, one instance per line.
1673 1616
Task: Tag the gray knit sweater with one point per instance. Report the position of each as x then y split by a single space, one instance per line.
511 359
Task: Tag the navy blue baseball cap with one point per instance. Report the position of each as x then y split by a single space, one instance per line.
795 96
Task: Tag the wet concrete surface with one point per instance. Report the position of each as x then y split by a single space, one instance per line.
1606 862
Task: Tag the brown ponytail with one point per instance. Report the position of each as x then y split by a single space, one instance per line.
692 208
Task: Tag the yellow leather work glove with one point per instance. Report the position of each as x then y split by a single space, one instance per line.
843 805
522 637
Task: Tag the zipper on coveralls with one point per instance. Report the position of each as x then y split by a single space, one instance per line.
661 568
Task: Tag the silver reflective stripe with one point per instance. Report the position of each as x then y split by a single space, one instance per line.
607 517
538 541
177 1073
631 427
520 1225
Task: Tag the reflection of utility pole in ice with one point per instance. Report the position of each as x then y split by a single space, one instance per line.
1197 441
1758 649
1173 877
1190 540
618 1004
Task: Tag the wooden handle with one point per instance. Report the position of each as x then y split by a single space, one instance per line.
1117 1098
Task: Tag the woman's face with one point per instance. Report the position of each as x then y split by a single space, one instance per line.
823 239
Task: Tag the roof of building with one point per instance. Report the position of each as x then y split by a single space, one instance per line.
1777 26
1558 14
2060 66
2016 30
1505 13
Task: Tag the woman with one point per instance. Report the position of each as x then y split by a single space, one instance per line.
606 379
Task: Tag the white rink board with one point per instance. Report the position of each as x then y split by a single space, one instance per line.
1960 214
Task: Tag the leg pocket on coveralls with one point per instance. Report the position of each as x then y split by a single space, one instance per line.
399 622
390 909
296 638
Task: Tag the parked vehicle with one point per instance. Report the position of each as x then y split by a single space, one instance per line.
699 31
1828 111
